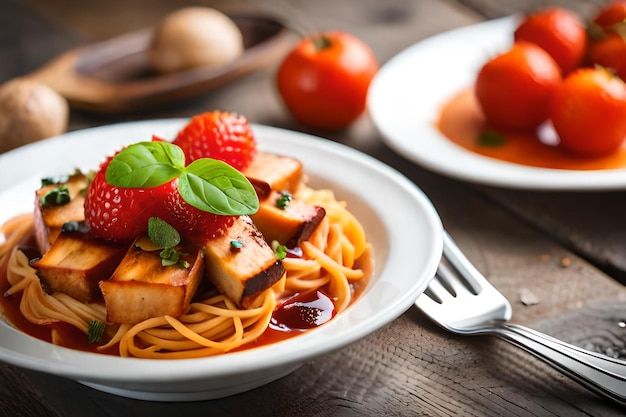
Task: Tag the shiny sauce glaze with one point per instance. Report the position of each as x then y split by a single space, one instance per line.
462 122
297 314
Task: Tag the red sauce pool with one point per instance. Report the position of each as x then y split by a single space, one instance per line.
292 317
462 122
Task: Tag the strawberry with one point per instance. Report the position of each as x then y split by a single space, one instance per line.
150 179
219 135
121 214
193 223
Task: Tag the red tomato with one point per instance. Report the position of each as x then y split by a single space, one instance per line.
588 111
324 80
607 47
513 88
560 32
609 52
611 14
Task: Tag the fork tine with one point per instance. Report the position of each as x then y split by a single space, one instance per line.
438 290
447 283
465 268
453 281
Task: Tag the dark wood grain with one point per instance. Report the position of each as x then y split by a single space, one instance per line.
27 39
589 224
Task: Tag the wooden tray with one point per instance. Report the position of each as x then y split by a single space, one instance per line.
114 76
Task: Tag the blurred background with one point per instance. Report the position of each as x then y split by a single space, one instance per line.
36 31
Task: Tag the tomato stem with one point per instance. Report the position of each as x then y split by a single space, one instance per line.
321 42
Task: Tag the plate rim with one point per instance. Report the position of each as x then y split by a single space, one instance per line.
440 155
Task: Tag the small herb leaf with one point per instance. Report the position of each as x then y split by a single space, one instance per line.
491 139
283 201
162 234
95 330
169 256
216 187
280 251
145 165
56 197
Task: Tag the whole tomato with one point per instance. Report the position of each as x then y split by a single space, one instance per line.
324 79
609 52
560 32
513 88
607 46
588 112
610 14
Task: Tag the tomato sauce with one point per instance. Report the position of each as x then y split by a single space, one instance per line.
462 122
293 316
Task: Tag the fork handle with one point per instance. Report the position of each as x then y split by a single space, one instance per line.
599 373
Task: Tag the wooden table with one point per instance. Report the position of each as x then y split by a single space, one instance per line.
567 248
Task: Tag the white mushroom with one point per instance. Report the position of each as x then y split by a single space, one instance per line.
30 111
195 37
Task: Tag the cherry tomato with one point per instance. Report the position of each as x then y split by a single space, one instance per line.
513 88
560 32
609 52
588 111
324 79
611 14
607 31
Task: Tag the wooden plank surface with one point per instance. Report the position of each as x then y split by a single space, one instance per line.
520 240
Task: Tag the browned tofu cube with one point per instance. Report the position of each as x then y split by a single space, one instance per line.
282 173
50 218
76 263
290 225
240 263
142 288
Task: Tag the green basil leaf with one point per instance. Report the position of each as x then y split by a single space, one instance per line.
216 187
162 234
145 165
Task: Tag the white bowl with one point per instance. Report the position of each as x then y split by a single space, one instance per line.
398 219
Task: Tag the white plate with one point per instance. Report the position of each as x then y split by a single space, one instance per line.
407 94
398 219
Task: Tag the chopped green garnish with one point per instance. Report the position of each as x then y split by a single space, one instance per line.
283 201
170 256
236 244
55 197
163 236
491 139
280 251
95 330
47 181
207 184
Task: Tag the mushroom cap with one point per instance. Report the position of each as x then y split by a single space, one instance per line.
30 111
195 37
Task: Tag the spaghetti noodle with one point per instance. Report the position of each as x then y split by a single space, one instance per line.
336 258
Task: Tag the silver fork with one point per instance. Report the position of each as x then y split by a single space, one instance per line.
464 302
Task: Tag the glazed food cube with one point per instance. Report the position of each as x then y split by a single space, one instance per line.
240 263
290 223
282 173
141 287
76 263
50 217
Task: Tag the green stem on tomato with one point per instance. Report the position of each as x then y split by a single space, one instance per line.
321 42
